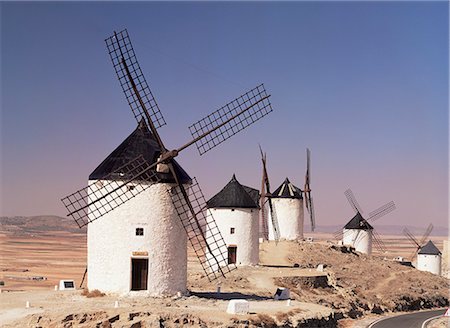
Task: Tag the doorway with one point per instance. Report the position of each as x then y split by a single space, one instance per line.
232 250
139 274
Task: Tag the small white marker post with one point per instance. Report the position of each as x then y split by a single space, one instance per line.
288 302
27 305
116 304
56 287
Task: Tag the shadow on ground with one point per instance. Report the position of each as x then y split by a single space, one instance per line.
230 296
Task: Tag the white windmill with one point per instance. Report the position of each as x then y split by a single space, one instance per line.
282 211
148 205
358 232
236 213
429 257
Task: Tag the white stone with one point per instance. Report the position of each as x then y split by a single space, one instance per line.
112 241
245 222
359 239
430 263
320 268
289 214
238 307
282 294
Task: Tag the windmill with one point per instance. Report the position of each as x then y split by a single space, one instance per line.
236 213
125 183
289 229
358 232
428 255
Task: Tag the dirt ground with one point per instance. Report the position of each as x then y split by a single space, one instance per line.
351 286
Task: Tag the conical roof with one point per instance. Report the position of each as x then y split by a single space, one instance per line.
140 142
287 190
234 195
358 222
429 249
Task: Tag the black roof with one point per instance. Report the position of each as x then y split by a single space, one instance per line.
140 142
287 190
358 222
254 193
235 195
430 249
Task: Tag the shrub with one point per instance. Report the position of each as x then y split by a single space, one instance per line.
92 293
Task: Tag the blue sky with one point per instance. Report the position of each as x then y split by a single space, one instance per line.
364 85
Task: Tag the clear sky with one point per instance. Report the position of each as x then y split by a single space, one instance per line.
364 85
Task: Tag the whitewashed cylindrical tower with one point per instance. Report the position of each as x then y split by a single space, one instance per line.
287 202
429 259
236 212
140 247
357 233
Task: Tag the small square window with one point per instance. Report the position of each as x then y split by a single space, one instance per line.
231 230
139 231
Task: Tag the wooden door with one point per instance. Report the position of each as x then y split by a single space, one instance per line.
139 274
232 250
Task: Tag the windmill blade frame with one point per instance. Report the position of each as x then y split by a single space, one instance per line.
201 229
426 234
379 243
227 120
312 214
381 211
114 189
411 237
352 200
268 199
307 190
125 63
264 232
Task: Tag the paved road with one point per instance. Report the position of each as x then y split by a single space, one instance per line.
410 320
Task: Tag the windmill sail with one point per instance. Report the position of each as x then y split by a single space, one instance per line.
124 59
266 199
202 230
110 191
231 118
307 190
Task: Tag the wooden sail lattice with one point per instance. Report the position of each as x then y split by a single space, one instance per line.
120 48
114 189
231 118
202 231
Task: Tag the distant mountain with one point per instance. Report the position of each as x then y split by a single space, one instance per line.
42 223
387 229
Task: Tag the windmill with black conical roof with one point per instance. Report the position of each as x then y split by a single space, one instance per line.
429 257
282 211
358 232
140 206
236 213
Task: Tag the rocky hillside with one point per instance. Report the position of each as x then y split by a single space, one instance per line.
359 284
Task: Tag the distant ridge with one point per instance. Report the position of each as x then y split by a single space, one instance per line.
386 230
40 223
